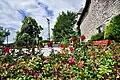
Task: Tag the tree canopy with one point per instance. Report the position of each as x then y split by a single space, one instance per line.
63 29
3 35
29 31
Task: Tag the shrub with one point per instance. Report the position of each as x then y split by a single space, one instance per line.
99 36
112 31
44 41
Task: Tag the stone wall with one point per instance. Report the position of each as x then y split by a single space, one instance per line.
99 13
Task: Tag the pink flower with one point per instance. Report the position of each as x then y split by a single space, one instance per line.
71 60
81 63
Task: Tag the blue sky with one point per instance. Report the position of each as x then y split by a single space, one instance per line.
12 12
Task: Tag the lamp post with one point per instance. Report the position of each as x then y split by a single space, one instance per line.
48 20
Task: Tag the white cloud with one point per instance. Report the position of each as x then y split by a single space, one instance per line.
10 17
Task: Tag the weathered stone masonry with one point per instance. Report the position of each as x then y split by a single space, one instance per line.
97 13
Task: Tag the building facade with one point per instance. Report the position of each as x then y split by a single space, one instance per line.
96 14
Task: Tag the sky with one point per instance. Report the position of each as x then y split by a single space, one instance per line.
12 12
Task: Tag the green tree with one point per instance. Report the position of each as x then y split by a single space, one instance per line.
29 31
63 29
112 30
3 35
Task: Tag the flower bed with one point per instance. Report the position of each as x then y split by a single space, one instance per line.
85 62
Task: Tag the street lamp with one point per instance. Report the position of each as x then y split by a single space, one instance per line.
48 20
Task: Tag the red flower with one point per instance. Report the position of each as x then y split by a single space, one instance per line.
72 39
35 74
6 50
25 70
71 60
62 45
83 37
81 64
71 75
71 49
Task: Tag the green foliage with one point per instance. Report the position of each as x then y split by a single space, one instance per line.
2 38
3 35
29 31
112 30
24 78
99 36
64 26
44 41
